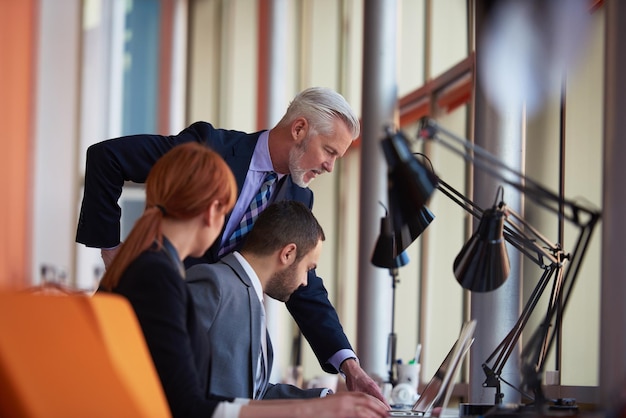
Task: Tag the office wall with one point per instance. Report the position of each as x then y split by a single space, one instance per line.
584 128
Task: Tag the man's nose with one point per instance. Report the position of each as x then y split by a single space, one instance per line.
329 165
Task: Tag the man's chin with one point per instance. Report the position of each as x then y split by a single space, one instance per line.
300 181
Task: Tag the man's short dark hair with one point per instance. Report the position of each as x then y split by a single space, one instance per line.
282 223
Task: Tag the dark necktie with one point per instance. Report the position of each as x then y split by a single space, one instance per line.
258 203
262 374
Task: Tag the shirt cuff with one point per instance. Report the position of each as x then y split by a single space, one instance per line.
341 356
324 393
111 248
229 409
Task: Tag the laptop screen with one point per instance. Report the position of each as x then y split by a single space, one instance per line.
438 390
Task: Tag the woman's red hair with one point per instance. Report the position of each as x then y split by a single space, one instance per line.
182 184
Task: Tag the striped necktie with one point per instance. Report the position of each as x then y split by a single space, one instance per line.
262 374
258 203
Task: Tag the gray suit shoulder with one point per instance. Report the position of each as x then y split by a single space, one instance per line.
203 271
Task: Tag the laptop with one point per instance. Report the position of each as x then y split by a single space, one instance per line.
437 392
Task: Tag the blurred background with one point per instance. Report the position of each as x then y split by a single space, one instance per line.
76 72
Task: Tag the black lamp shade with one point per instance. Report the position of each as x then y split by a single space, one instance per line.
483 263
413 228
385 253
409 186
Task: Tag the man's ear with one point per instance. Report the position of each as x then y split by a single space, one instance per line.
299 129
287 254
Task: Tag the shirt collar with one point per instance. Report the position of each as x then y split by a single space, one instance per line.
261 160
256 283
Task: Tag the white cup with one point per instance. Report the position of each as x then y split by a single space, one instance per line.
409 374
403 394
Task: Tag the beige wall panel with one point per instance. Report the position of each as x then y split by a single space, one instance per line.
204 61
321 65
321 43
411 46
444 296
292 73
223 63
348 243
542 165
583 179
348 171
238 79
584 129
449 35
352 55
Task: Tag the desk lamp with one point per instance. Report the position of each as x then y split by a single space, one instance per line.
482 265
386 255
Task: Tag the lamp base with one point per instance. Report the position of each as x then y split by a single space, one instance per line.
475 409
564 404
560 407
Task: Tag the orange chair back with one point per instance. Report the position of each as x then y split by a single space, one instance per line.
75 356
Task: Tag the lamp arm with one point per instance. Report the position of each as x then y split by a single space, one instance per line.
484 160
574 212
524 236
504 350
460 199
551 258
514 229
533 363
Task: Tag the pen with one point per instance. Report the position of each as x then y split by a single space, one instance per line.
418 352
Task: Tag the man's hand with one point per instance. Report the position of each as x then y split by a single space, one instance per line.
108 255
359 381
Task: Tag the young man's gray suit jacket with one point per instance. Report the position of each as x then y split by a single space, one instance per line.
229 309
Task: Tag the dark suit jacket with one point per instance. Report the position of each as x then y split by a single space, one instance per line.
177 343
111 162
225 301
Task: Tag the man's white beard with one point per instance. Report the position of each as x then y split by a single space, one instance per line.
297 173
297 176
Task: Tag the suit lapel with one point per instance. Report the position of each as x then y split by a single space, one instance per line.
288 190
238 158
231 261
256 315
282 190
